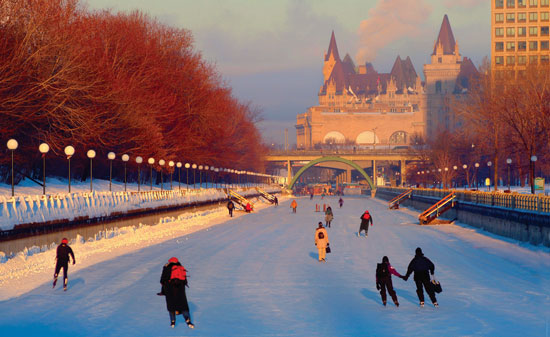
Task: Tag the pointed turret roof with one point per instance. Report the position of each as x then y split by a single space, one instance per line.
403 72
349 66
445 38
332 49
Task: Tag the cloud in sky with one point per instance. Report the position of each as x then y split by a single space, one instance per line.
463 3
388 22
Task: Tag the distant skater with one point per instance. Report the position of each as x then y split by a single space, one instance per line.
366 218
230 207
341 202
248 208
384 271
293 205
276 201
174 281
311 196
328 216
422 268
62 257
321 241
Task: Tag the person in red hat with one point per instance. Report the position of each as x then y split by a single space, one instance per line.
174 281
62 258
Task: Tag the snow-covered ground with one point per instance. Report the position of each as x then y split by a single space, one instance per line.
258 275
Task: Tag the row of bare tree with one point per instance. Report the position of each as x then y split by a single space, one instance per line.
114 82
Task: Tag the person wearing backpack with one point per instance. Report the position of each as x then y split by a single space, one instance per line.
230 207
422 268
174 281
366 218
328 216
62 261
321 241
384 271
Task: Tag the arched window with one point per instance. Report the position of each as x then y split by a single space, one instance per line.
398 137
367 137
334 137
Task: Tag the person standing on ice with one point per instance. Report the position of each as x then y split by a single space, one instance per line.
293 205
384 271
328 216
174 281
62 258
276 201
341 202
366 218
230 207
321 241
422 268
248 208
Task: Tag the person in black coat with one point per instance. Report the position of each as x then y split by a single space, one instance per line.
62 258
230 207
422 268
366 218
276 201
174 290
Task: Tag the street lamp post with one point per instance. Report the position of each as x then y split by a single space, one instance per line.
179 174
151 161
206 169
91 155
509 162
110 156
475 175
171 164
161 163
194 167
200 176
69 151
216 179
455 168
12 146
447 177
465 167
44 148
125 159
489 164
187 166
139 160
533 161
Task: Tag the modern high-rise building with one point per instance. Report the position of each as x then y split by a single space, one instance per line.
520 33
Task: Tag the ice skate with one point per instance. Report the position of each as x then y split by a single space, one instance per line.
436 305
422 304
189 324
173 324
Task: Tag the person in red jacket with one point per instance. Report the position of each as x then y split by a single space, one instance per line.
248 208
62 258
366 218
384 271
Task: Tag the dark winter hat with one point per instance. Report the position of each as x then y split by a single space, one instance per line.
173 260
385 259
320 224
418 251
65 241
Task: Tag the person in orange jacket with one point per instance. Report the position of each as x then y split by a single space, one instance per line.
248 208
293 205
321 241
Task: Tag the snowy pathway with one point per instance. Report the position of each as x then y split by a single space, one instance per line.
258 275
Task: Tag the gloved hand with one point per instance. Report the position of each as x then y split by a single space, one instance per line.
377 286
405 278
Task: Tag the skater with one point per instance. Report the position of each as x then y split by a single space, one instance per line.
328 216
293 205
311 196
248 208
321 241
230 207
366 218
421 265
276 201
383 280
174 281
62 257
341 202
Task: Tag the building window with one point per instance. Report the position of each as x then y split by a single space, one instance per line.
533 17
544 59
533 59
522 3
522 17
532 3
510 60
544 45
499 46
533 45
499 17
522 45
499 32
439 59
499 60
510 31
544 31
522 59
533 31
510 17
510 46
499 3
438 87
510 3
522 31
544 16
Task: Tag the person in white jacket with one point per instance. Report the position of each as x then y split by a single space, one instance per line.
321 241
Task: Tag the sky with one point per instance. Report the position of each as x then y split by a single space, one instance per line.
271 51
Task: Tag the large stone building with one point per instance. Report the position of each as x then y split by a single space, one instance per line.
520 33
360 106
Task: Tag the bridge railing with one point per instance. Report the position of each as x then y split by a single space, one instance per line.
529 202
346 151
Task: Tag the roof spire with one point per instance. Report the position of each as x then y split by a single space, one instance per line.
445 38
332 49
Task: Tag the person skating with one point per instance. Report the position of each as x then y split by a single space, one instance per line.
422 268
321 241
366 218
62 258
341 202
311 196
293 205
230 207
384 271
174 281
276 201
248 208
328 216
